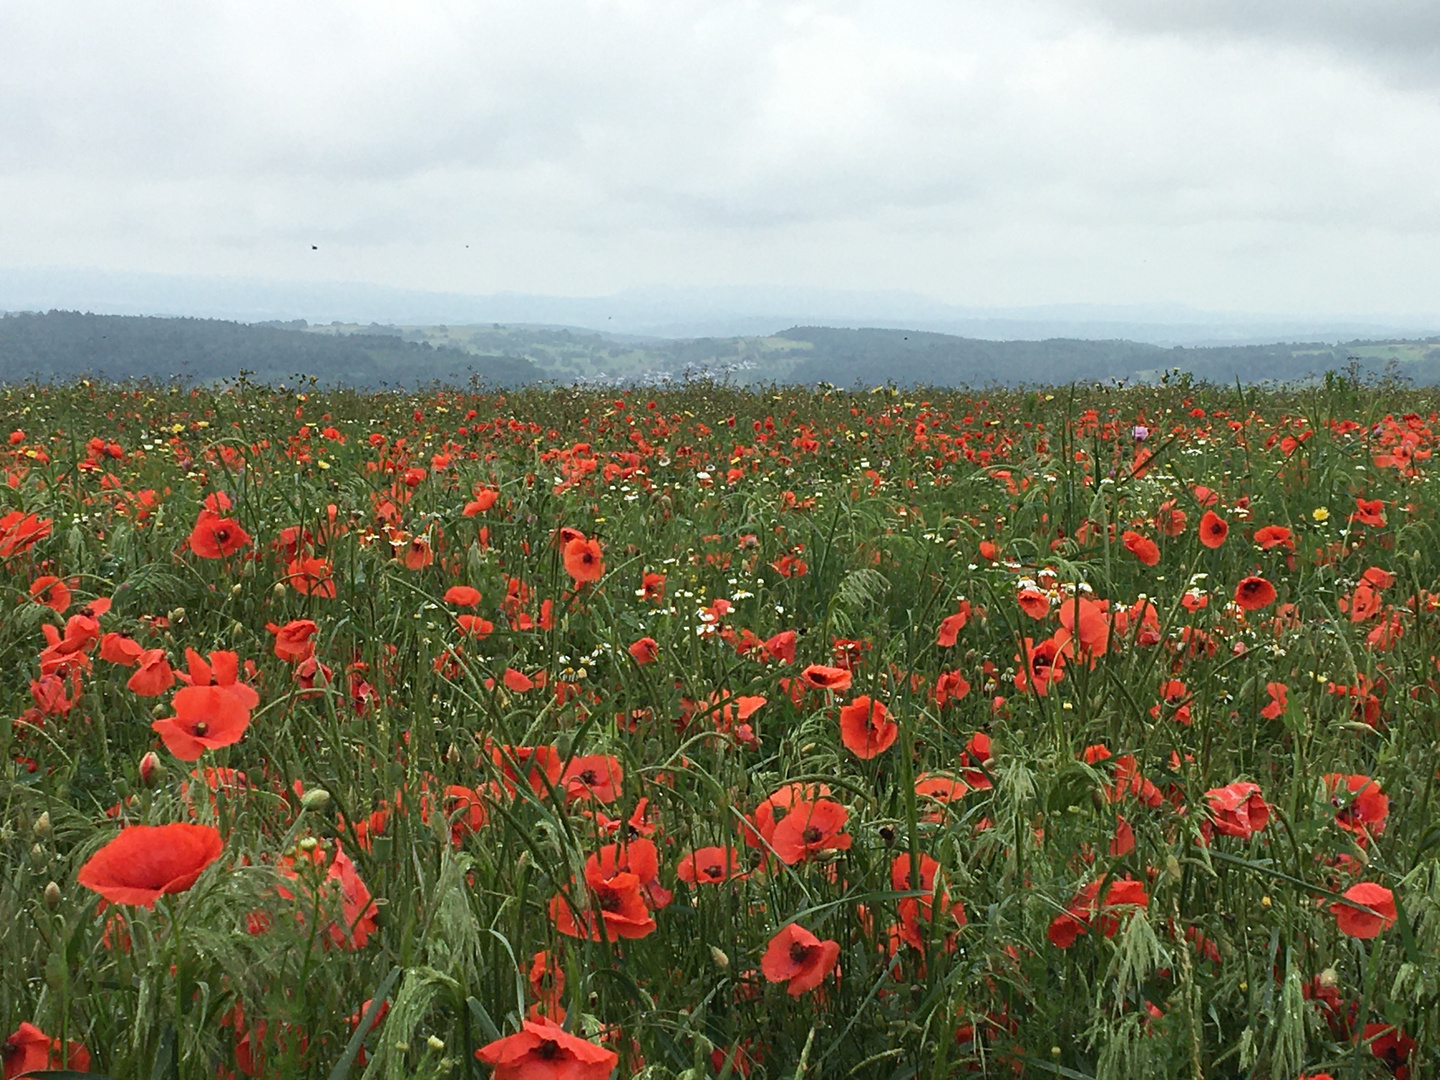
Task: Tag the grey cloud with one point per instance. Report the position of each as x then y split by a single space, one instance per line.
1398 38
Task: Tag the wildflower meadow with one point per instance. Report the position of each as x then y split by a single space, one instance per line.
570 734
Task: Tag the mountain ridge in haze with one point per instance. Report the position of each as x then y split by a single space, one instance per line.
674 312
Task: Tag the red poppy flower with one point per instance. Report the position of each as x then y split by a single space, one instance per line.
1272 536
619 901
347 899
543 1050
596 776
1369 512
826 678
1391 1045
1213 529
146 862
20 531
584 561
866 729
311 577
474 626
1142 547
1352 918
216 537
50 591
1124 894
709 866
484 499
809 828
206 718
153 675
799 959
781 647
462 596
121 649
1361 807
542 766
645 650
292 641
1033 602
950 628
28 1049
1254 593
1238 809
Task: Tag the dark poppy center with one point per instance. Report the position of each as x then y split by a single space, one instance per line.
222 535
609 901
201 727
799 952
812 834
588 777
549 1050
714 871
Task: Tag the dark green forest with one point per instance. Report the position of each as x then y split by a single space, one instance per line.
60 345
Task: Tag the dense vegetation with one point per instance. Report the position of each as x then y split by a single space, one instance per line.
61 345
714 733
67 344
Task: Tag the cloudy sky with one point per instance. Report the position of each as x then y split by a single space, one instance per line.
1280 156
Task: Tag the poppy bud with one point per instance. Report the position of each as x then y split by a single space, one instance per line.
41 828
308 844
235 589
721 960
435 1043
177 615
52 896
279 589
38 857
1329 978
316 798
149 768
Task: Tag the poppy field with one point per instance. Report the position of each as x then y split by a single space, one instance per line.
711 733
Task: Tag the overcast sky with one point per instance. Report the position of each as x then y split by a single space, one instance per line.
1279 155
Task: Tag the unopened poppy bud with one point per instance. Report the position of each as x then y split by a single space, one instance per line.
1329 978
158 711
279 589
452 754
38 857
435 1043
235 589
41 828
177 615
149 768
52 896
308 844
317 798
721 960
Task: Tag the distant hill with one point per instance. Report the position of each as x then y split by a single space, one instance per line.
61 345
908 357
69 344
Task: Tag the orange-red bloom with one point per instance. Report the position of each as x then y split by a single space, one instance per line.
809 828
28 1049
1142 547
543 1050
826 678
1238 809
1254 593
866 727
799 959
146 862
1351 916
1213 529
216 537
584 561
